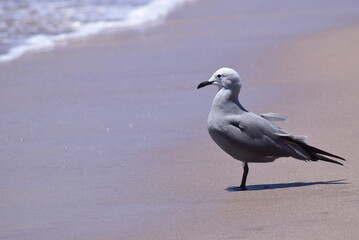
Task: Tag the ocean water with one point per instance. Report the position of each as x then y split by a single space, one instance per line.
28 25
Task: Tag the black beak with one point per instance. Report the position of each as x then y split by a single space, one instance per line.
203 84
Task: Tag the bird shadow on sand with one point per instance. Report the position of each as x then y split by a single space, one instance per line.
284 185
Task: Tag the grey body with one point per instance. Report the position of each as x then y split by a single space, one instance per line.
244 135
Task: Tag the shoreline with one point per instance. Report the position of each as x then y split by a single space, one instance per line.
151 13
107 139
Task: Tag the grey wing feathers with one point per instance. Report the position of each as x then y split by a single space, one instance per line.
274 117
293 136
260 135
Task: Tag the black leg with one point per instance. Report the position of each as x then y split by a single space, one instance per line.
244 178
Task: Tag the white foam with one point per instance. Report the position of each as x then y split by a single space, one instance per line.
151 12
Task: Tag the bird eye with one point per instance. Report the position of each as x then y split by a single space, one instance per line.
219 76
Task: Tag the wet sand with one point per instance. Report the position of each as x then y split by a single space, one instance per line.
106 138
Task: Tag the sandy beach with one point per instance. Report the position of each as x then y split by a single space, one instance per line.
105 137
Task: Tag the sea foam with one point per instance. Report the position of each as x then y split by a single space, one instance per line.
153 11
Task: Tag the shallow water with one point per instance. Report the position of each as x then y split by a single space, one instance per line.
35 24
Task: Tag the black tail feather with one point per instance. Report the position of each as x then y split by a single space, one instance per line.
315 153
318 151
325 159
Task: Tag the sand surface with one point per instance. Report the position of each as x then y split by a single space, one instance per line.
106 138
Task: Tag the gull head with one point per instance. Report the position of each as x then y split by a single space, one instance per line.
223 78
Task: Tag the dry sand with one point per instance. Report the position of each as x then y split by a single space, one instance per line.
106 138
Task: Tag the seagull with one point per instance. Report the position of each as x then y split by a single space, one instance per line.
249 137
